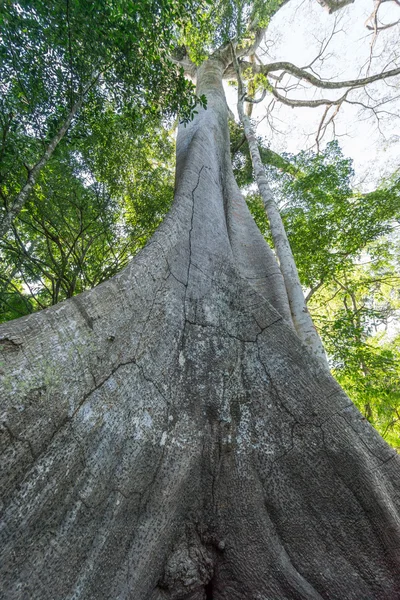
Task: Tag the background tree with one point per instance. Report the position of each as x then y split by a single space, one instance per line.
55 60
167 435
93 207
333 231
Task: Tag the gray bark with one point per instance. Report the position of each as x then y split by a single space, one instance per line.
167 436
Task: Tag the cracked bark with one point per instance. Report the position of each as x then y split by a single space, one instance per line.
185 445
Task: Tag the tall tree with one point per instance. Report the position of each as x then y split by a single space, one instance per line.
167 435
345 247
301 317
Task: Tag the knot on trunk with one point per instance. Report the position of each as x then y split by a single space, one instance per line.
189 569
9 345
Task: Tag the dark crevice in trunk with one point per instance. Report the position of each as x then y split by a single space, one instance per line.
208 588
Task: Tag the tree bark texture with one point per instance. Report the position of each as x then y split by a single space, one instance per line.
167 436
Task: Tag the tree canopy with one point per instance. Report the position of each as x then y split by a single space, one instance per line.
65 67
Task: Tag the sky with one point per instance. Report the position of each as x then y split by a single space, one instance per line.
295 35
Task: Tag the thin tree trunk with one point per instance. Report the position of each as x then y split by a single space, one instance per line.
298 306
166 437
33 174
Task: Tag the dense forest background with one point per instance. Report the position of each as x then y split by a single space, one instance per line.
109 181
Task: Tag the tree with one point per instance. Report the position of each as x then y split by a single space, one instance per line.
167 434
345 249
301 317
93 207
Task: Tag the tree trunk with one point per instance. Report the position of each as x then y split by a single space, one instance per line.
167 435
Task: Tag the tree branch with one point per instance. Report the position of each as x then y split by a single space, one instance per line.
321 83
187 65
333 5
382 27
307 103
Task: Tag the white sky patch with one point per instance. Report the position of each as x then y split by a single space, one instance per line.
295 35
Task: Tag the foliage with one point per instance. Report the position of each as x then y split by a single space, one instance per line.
375 389
328 224
356 313
90 212
219 22
55 57
109 182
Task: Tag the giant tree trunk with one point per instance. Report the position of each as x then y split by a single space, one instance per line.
168 436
